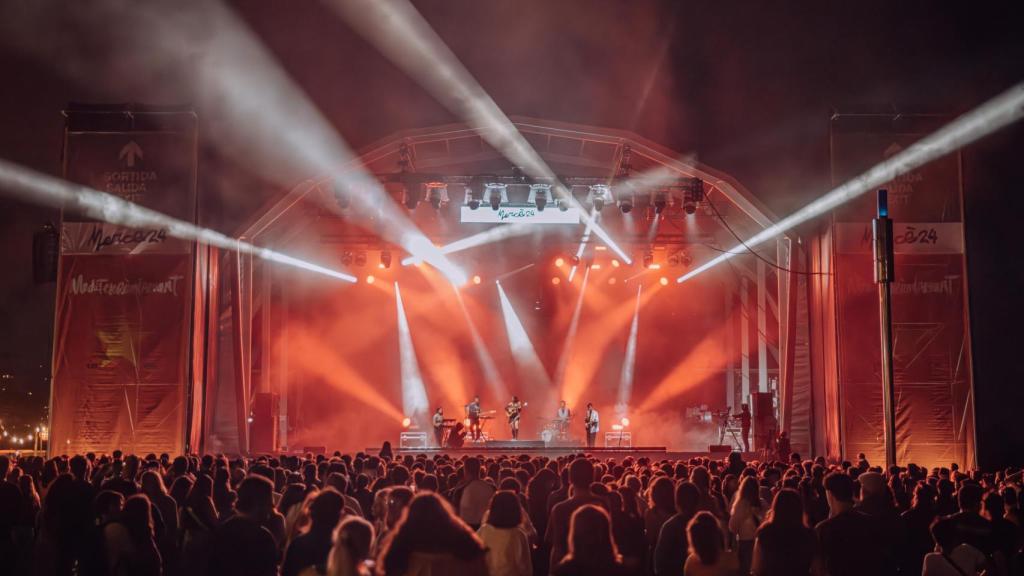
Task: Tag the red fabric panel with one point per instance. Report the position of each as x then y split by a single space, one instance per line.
120 361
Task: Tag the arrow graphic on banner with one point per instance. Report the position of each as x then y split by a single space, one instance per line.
130 152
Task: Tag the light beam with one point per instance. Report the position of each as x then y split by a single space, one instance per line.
496 234
530 367
629 361
398 30
37 188
414 393
997 113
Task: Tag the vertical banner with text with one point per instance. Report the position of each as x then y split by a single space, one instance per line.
934 421
125 295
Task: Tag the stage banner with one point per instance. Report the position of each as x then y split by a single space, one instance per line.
121 353
931 345
122 340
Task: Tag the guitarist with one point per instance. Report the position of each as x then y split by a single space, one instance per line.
592 423
514 410
438 422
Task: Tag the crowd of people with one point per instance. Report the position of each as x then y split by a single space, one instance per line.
500 515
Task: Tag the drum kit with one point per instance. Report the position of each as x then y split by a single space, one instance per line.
555 429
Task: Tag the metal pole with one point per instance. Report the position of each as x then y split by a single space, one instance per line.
884 271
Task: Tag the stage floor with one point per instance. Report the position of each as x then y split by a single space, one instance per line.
530 449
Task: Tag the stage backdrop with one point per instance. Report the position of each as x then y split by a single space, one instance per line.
124 295
931 346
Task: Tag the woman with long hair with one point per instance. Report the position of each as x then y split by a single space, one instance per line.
784 544
708 556
917 522
431 539
128 543
198 522
744 520
662 506
592 550
508 548
153 487
350 555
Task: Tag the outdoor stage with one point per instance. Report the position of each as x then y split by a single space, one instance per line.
536 448
652 452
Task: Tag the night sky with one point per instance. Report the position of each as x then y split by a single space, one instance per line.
747 87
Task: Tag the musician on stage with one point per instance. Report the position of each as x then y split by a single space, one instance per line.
562 416
744 418
514 410
592 423
723 418
438 421
473 413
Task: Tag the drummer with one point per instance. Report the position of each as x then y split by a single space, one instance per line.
562 418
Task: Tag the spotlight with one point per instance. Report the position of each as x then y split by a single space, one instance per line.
385 259
663 281
370 279
660 202
615 263
556 280
559 261
341 196
648 259
598 195
496 195
575 260
693 194
617 427
595 266
360 259
673 260
437 193
346 258
612 280
475 193
625 422
412 196
476 280
406 422
540 196
626 203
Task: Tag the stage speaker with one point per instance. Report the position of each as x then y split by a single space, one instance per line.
263 431
45 253
765 423
719 448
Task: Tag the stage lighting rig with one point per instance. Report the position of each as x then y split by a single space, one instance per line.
648 259
475 192
346 258
540 196
660 201
385 258
340 196
693 194
626 203
496 194
599 195
360 259
437 194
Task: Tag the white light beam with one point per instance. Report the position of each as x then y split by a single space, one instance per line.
38 188
414 393
991 116
398 30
